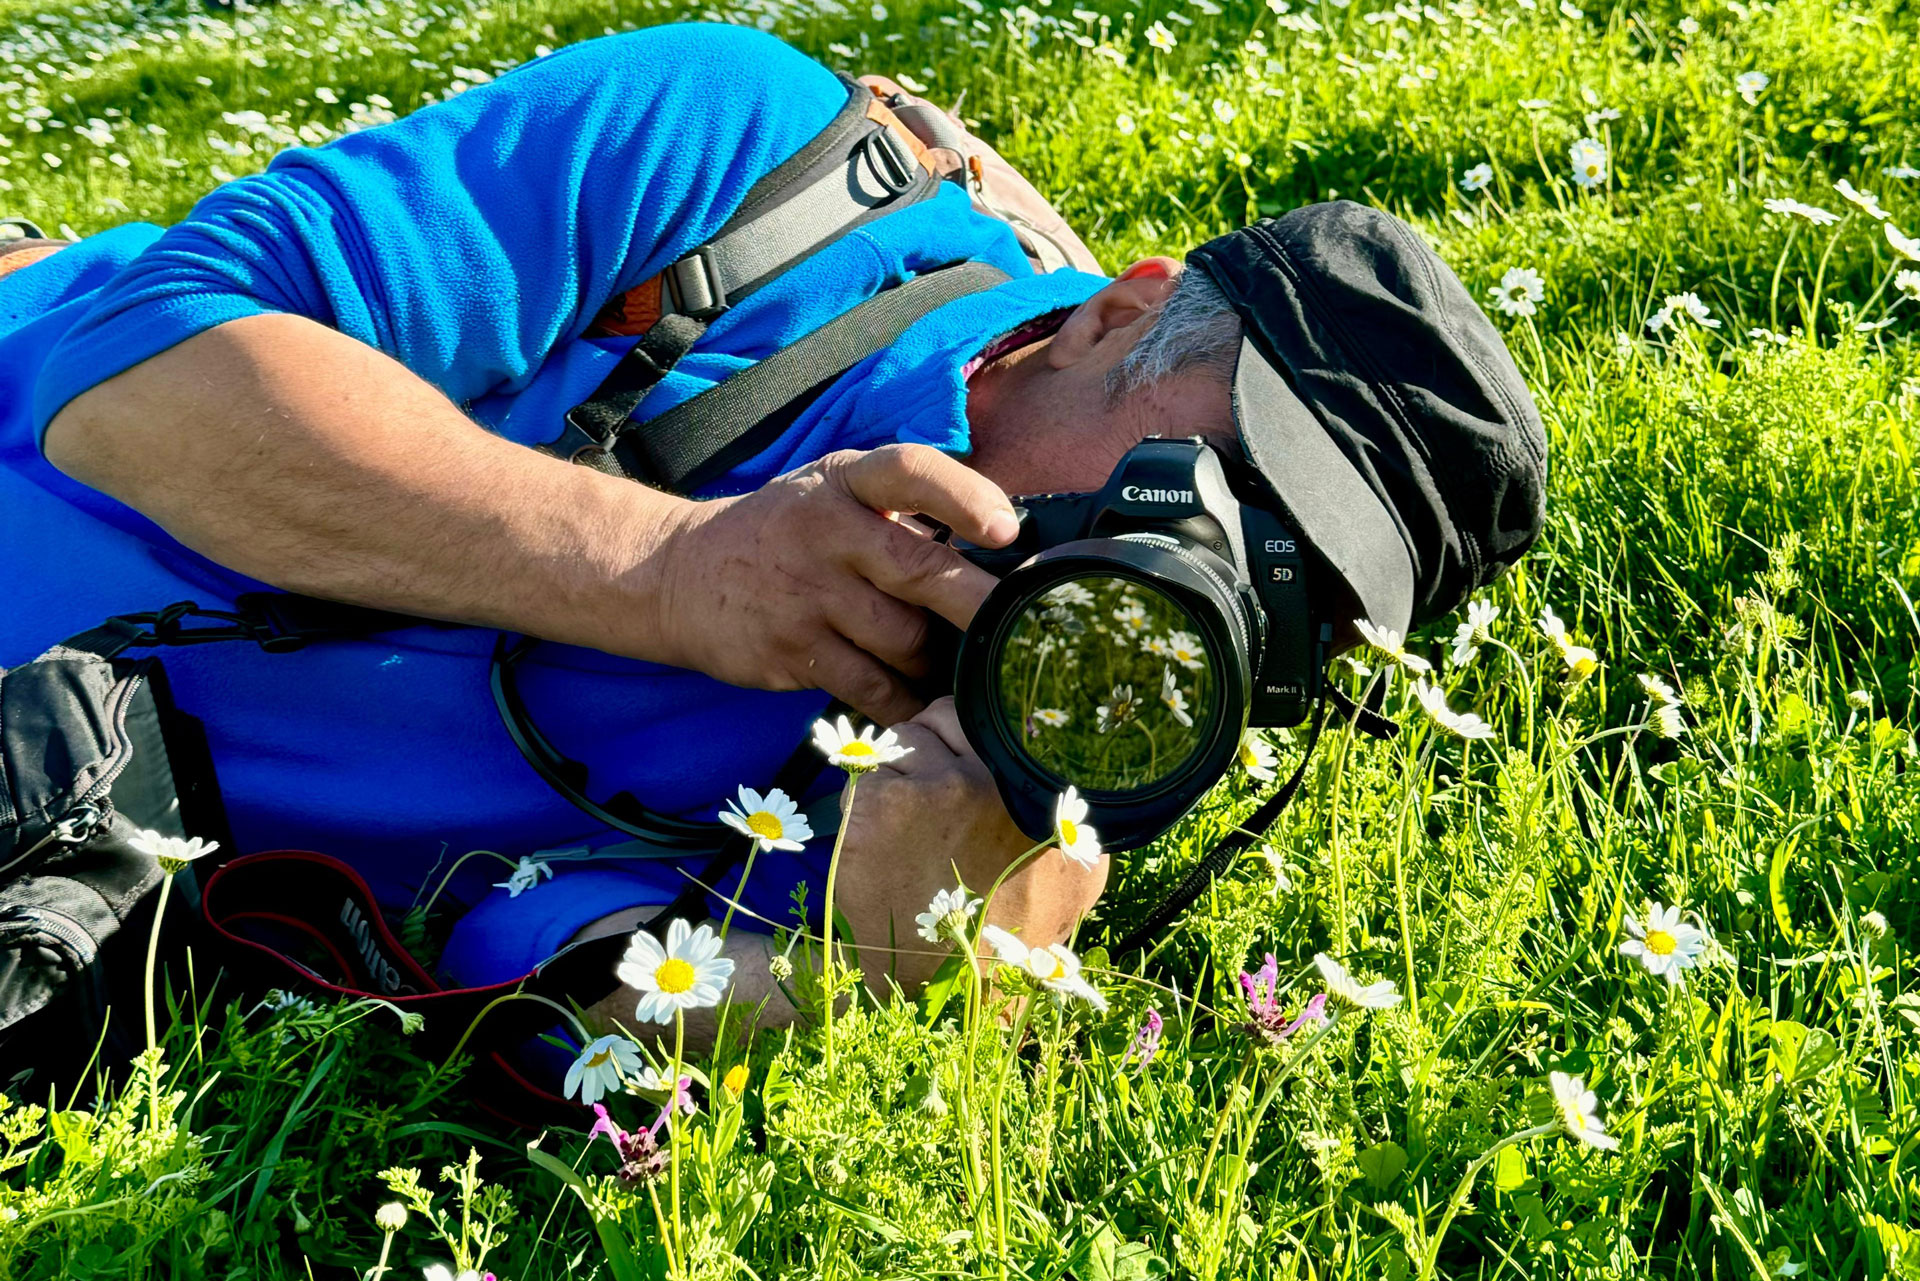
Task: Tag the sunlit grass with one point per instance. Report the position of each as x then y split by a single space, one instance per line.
1737 514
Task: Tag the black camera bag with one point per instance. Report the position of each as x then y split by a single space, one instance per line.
92 752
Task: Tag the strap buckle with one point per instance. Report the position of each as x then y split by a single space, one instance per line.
694 285
889 162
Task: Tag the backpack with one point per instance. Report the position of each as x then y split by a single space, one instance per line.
94 754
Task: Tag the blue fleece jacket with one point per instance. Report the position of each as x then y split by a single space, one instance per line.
474 241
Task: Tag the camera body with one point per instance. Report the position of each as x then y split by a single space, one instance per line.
1163 579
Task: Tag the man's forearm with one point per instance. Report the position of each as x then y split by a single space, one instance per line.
298 456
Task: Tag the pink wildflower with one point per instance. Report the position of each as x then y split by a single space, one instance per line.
642 1159
1146 1041
1270 1020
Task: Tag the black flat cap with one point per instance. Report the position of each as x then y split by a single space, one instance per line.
1379 404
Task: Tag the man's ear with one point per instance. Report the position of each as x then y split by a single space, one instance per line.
1106 318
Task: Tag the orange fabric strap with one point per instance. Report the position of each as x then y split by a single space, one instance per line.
14 259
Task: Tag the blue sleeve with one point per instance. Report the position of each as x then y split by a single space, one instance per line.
470 238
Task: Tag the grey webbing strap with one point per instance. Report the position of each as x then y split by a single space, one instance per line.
702 438
879 171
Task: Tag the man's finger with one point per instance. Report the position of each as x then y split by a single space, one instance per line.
861 681
942 719
913 568
922 480
929 748
890 630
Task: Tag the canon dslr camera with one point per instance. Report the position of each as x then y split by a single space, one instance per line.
1135 634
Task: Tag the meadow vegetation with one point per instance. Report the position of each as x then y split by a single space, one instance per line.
1722 346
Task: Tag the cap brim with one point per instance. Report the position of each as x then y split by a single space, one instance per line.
1330 504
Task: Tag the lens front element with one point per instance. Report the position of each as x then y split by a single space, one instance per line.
1106 683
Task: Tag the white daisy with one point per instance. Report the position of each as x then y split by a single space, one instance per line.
1666 945
1861 200
688 973
947 914
1053 967
1907 282
1690 306
1051 717
390 1217
171 852
1748 85
524 877
1589 158
1459 724
1175 698
1345 993
1184 649
1478 178
1800 209
1581 662
1860 700
1388 642
1659 691
1474 632
1666 721
1071 595
1905 246
1160 37
1282 877
1578 1114
773 820
1119 708
855 753
1076 840
1132 616
601 1069
1256 756
1519 289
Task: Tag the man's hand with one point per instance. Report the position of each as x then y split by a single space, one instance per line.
913 823
811 583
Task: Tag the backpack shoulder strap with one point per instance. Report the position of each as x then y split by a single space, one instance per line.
863 165
700 439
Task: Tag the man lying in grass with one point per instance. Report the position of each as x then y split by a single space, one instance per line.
331 376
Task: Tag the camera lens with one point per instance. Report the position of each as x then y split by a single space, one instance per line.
1118 666
1107 684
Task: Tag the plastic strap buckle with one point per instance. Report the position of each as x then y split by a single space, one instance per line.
889 162
694 285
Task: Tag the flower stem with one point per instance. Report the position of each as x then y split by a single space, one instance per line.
740 890
153 1037
380 1268
987 907
673 1119
826 949
999 1157
1461 1193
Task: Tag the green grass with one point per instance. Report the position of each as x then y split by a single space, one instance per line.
1735 514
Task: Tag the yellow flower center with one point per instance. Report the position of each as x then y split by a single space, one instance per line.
601 1059
1069 832
1248 756
674 976
1044 965
1660 943
764 823
858 747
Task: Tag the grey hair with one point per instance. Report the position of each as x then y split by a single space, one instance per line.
1195 328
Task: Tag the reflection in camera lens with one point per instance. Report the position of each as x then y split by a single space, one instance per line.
1105 682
